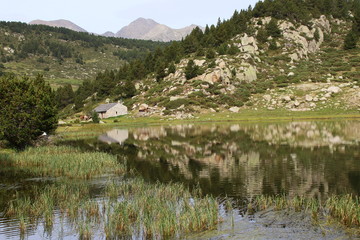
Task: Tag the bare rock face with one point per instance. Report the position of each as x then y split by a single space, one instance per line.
247 44
248 74
307 40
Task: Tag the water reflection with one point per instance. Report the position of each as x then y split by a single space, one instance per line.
115 136
243 160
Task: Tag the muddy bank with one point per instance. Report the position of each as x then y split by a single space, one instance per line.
272 224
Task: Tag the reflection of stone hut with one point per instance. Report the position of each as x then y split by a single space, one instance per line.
111 110
115 136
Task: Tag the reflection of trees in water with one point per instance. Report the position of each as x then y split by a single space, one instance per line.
248 159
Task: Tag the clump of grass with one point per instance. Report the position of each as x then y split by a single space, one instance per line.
132 206
159 210
63 161
346 209
343 209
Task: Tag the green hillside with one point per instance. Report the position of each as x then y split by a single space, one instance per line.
62 55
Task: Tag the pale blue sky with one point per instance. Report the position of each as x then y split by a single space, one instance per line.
111 15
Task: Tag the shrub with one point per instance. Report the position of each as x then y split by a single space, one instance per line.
95 117
28 110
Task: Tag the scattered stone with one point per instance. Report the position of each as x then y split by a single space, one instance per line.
174 98
291 74
234 109
143 107
308 98
333 89
267 97
296 103
287 99
271 108
312 105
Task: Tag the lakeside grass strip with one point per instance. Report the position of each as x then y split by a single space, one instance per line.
344 209
62 161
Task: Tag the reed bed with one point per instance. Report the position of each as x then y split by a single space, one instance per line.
157 210
344 209
128 208
63 161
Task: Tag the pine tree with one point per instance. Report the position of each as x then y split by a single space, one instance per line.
191 70
350 40
28 110
272 29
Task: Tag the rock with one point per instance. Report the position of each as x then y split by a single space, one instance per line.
291 74
234 109
308 98
174 98
287 99
199 63
221 63
355 87
248 75
60 122
271 108
212 110
267 97
137 86
334 89
316 99
143 107
296 103
327 95
312 105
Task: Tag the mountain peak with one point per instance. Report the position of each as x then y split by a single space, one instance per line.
59 23
148 29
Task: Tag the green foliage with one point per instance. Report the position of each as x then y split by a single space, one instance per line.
64 96
350 40
210 54
272 29
28 110
176 104
191 70
95 117
172 68
233 50
262 36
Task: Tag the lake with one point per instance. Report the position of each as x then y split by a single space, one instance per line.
315 159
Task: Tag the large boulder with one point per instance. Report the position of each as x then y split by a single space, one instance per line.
248 74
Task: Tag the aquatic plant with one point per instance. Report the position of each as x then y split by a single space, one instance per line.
344 209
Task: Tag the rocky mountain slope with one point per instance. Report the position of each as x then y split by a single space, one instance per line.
59 23
148 29
304 69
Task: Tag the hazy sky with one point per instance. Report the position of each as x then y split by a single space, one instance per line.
99 16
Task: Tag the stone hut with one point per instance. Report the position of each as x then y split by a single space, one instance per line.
111 110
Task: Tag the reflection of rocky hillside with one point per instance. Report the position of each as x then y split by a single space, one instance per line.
307 134
299 158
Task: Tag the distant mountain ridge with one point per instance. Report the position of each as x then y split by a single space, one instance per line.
141 28
148 29
59 23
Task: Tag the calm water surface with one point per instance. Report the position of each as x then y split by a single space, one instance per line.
242 160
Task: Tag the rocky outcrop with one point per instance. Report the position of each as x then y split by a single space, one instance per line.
246 44
302 41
